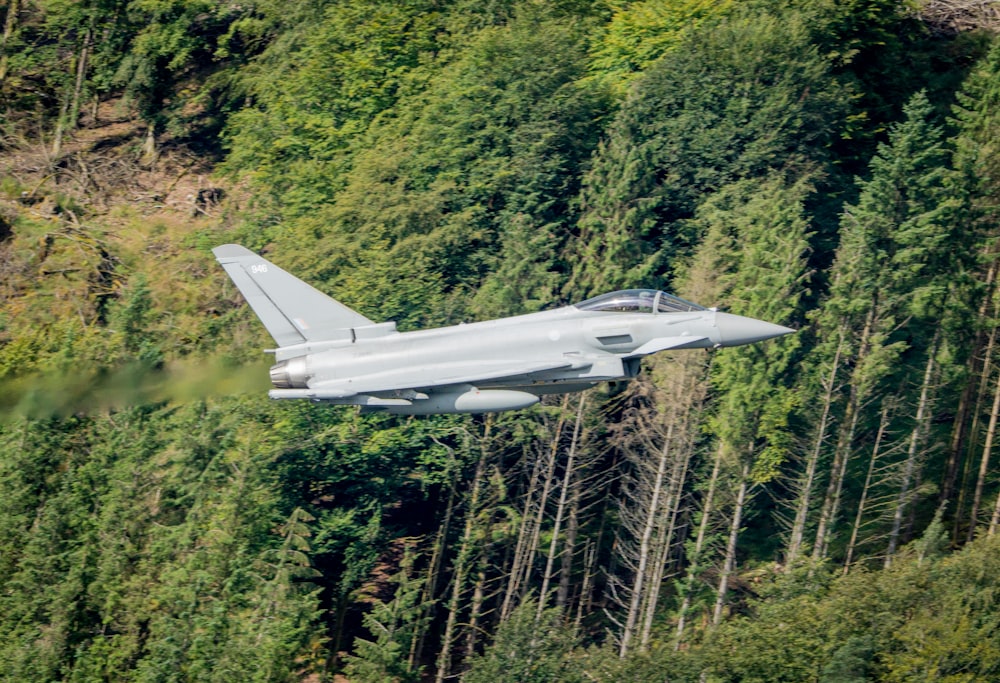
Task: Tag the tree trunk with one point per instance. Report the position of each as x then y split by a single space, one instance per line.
960 428
81 72
845 442
149 146
569 548
981 393
521 555
734 532
589 563
912 454
644 550
665 543
464 552
984 463
9 24
475 610
995 521
524 559
699 545
543 596
855 530
69 111
805 495
430 586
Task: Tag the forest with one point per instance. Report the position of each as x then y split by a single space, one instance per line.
822 507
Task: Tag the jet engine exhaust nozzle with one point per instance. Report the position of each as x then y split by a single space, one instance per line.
290 374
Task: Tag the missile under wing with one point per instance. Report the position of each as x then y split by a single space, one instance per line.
328 353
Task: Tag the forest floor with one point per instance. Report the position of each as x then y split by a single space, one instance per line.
101 167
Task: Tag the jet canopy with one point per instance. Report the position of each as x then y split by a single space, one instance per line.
638 301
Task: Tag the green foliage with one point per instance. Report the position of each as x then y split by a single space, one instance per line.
977 121
429 162
473 162
158 547
741 95
527 649
850 662
870 626
133 320
639 33
393 625
315 91
756 238
896 244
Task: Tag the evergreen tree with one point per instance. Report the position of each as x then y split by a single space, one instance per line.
889 288
527 650
739 96
393 625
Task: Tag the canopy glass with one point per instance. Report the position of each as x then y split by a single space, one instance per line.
638 301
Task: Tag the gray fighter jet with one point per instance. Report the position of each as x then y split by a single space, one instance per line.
329 353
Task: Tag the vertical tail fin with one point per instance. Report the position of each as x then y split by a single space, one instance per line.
292 311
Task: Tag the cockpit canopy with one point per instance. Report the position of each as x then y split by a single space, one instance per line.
638 301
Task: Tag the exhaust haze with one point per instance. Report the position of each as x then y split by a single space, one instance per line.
96 390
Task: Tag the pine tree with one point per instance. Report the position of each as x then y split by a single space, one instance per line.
888 292
740 96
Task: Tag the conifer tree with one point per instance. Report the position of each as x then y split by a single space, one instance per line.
887 293
741 95
978 185
758 232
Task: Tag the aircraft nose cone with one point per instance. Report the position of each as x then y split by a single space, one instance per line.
735 329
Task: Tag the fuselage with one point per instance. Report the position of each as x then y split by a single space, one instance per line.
594 345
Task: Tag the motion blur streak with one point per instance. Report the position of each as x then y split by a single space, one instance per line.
97 390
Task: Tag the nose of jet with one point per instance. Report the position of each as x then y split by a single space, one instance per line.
735 329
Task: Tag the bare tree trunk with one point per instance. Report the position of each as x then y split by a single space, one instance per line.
805 495
475 609
984 463
590 570
9 24
70 108
81 72
960 429
543 596
699 545
981 393
647 533
665 542
521 556
569 548
461 561
149 146
430 586
734 532
589 563
912 453
524 558
57 136
845 442
856 529
831 503
995 521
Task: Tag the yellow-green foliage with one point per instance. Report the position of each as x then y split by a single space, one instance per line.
639 33
922 619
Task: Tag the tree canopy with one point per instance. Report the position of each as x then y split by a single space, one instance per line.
823 507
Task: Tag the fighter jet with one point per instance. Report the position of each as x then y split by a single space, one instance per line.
330 354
